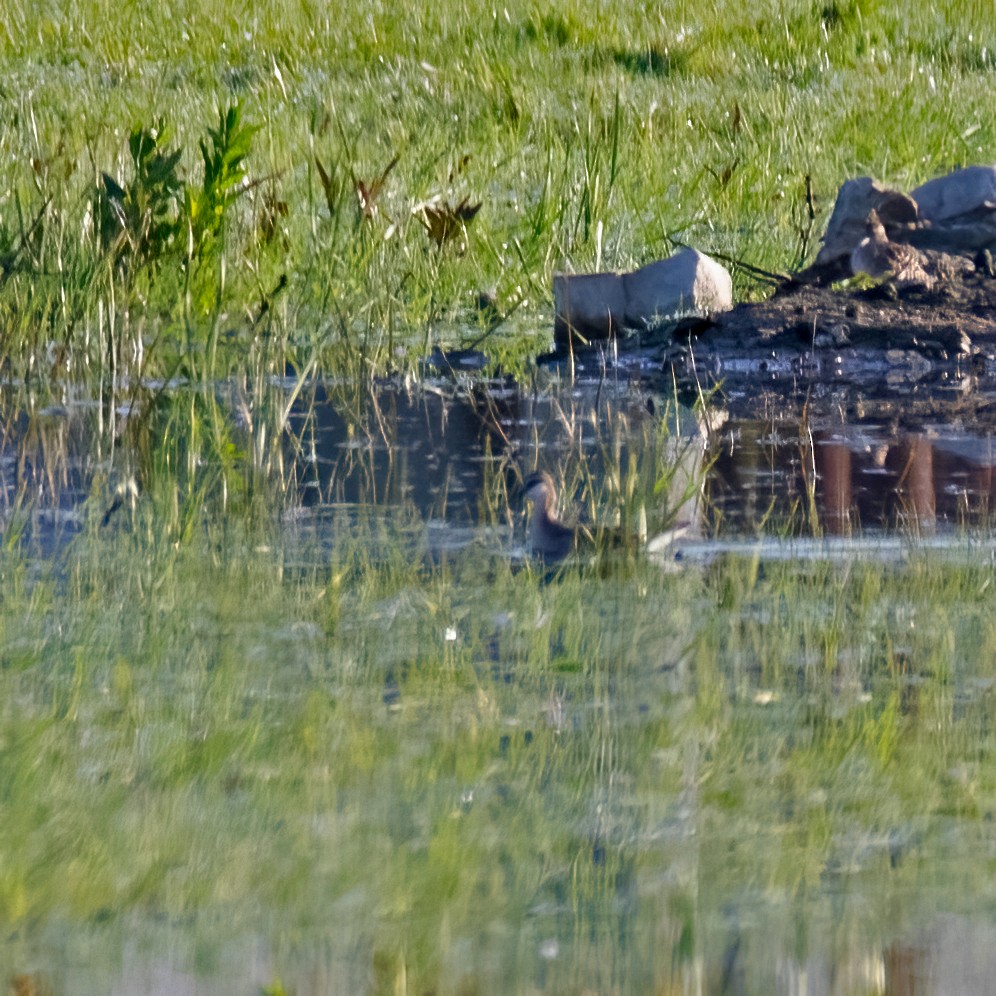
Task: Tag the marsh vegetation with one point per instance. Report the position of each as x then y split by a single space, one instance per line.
283 706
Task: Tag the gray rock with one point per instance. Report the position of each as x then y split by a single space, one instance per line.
963 192
955 214
593 307
856 199
588 306
957 211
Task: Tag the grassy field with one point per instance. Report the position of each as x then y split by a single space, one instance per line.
589 136
281 754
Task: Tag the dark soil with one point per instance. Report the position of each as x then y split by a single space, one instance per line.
851 347
955 318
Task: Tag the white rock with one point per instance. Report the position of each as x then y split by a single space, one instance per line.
688 283
596 306
963 192
958 211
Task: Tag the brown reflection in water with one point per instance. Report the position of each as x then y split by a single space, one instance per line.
905 969
912 461
947 954
908 471
447 452
864 478
458 452
833 473
954 954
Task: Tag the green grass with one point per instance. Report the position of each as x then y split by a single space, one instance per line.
698 124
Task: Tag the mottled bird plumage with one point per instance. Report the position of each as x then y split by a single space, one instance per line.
881 259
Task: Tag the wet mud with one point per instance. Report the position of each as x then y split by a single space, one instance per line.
842 348
954 318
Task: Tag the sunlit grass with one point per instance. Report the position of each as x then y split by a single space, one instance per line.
583 133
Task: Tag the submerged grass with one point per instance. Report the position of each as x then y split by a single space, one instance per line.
443 772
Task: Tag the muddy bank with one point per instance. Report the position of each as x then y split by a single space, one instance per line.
954 318
880 341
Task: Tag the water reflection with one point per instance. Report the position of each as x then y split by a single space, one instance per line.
852 477
45 468
457 456
454 454
651 897
945 953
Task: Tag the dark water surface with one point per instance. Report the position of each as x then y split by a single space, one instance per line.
764 457
443 449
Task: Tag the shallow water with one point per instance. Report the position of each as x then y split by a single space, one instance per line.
365 754
452 453
455 451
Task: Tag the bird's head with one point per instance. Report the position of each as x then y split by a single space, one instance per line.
539 489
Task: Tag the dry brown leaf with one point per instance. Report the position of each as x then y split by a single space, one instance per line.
442 221
369 192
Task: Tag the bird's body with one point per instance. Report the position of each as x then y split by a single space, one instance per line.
552 541
549 538
881 259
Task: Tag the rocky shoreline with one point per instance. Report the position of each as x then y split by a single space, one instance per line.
831 317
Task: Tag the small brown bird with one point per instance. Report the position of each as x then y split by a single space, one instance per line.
549 538
552 541
883 260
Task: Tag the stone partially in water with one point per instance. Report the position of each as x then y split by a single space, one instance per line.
588 306
593 307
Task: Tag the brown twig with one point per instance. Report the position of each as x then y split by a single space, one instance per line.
770 276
